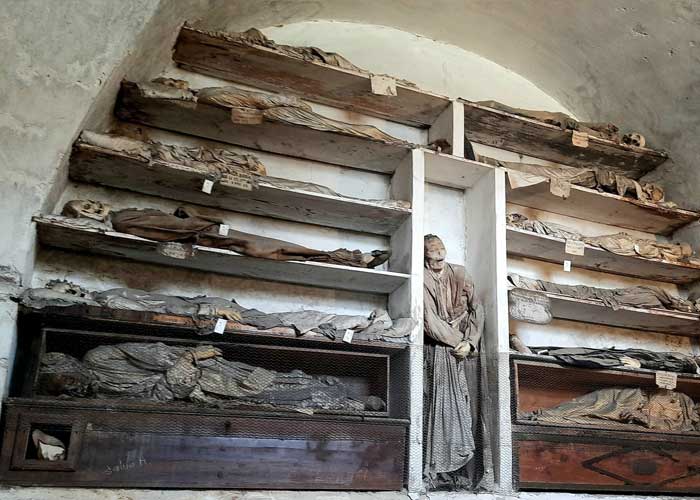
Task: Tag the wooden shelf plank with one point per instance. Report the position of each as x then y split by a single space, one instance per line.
121 170
633 318
515 133
135 322
54 232
606 208
211 122
523 243
552 363
453 171
264 68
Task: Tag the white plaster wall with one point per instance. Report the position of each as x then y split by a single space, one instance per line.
432 65
444 216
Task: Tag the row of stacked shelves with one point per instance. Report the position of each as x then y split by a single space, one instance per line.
362 450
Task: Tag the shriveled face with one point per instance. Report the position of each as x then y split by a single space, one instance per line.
67 287
88 209
435 253
62 374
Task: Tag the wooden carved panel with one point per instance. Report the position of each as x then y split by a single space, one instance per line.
609 466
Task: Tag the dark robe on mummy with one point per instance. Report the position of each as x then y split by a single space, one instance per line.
619 358
158 372
656 409
452 315
188 225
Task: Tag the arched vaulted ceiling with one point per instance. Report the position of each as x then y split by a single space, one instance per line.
633 62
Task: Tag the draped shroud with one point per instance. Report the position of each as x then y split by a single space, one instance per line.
452 315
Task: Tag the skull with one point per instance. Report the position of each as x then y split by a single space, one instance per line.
634 139
172 82
434 253
67 287
87 209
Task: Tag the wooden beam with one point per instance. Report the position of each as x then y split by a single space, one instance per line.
264 68
158 446
530 137
633 318
453 171
178 182
606 208
137 104
53 232
449 127
522 243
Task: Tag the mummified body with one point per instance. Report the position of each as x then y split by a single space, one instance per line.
375 326
603 130
199 226
158 372
454 322
657 409
618 243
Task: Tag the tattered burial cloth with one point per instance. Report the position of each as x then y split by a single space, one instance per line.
376 326
652 409
215 164
195 226
286 109
256 37
613 358
646 297
607 131
452 315
214 161
159 372
618 243
524 174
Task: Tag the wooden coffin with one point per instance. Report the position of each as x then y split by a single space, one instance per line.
159 448
363 373
605 457
595 460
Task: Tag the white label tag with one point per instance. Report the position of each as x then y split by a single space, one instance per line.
223 229
560 188
579 139
529 306
348 336
574 247
567 266
175 250
207 186
666 380
239 180
220 326
383 85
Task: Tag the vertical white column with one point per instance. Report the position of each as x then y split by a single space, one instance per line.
407 256
485 205
449 126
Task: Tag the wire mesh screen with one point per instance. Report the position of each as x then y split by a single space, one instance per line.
546 394
456 424
220 374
